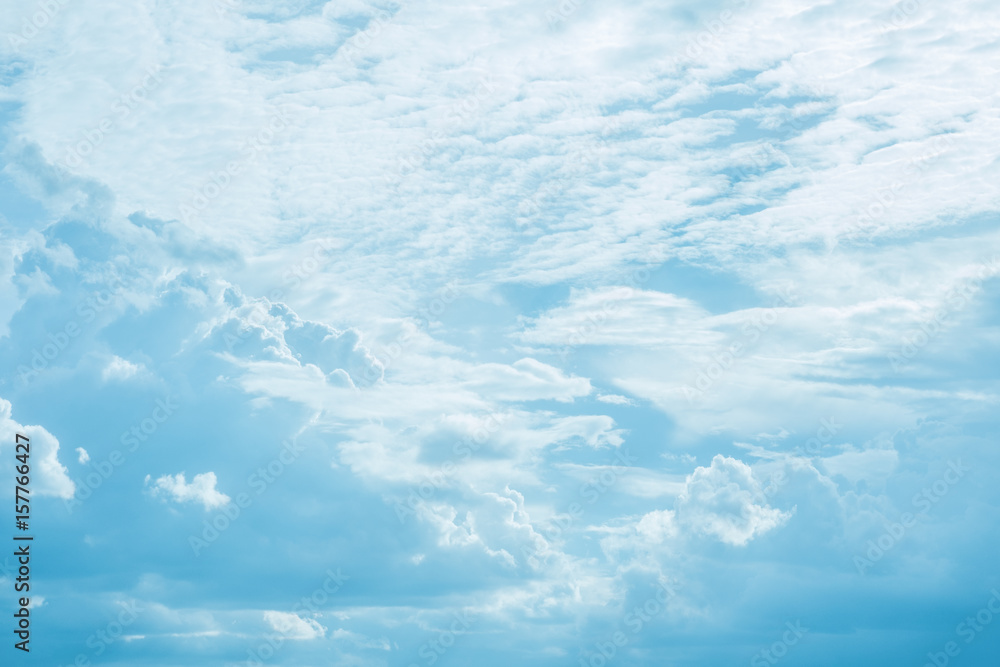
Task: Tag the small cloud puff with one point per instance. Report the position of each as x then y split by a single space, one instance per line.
120 369
615 399
82 456
201 489
293 626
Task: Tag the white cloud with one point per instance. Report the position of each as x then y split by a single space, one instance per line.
658 526
361 640
50 477
615 399
622 316
527 379
726 502
82 456
120 369
201 489
629 157
870 464
259 329
293 626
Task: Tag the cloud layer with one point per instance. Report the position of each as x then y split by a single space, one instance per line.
503 334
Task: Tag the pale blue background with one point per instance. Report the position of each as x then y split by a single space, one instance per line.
507 247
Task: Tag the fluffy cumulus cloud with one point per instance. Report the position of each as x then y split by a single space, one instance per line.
644 325
47 474
257 329
725 501
201 489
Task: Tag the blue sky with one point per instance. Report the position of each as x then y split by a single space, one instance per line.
361 333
